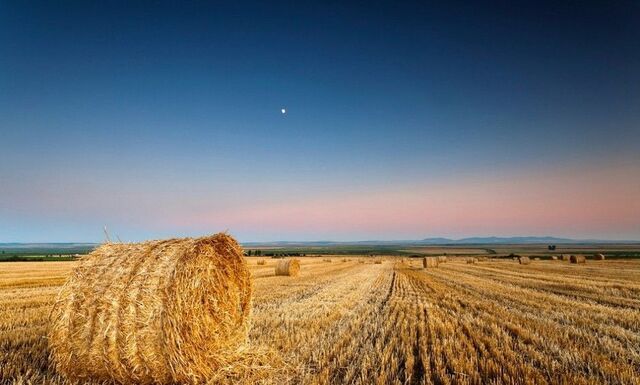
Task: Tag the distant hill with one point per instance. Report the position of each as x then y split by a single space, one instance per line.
441 241
56 245
56 248
501 240
45 248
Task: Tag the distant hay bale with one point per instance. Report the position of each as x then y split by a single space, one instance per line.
161 312
261 262
288 267
554 258
472 260
578 259
524 260
599 257
429 262
565 257
377 262
442 259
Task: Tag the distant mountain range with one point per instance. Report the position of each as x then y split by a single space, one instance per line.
445 241
512 240
59 245
426 241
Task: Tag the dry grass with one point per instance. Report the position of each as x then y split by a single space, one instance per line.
349 323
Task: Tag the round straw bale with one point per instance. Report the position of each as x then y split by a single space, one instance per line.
429 262
578 259
161 312
289 267
565 257
599 257
524 260
261 262
554 258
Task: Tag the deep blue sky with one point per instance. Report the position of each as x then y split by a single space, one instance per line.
164 118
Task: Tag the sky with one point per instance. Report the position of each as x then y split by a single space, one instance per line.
403 120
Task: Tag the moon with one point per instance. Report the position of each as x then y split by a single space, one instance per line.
283 110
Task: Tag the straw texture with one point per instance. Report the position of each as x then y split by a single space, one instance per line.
578 259
428 262
171 311
289 267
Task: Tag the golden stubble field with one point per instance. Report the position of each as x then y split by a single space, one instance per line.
393 323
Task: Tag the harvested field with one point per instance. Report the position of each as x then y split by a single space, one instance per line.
395 323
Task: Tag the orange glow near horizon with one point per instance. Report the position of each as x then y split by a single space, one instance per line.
568 203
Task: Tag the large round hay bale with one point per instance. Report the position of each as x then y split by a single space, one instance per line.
578 259
261 262
472 260
442 259
524 260
170 311
288 267
565 257
429 262
554 258
599 257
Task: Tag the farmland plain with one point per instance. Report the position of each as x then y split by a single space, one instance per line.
357 322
